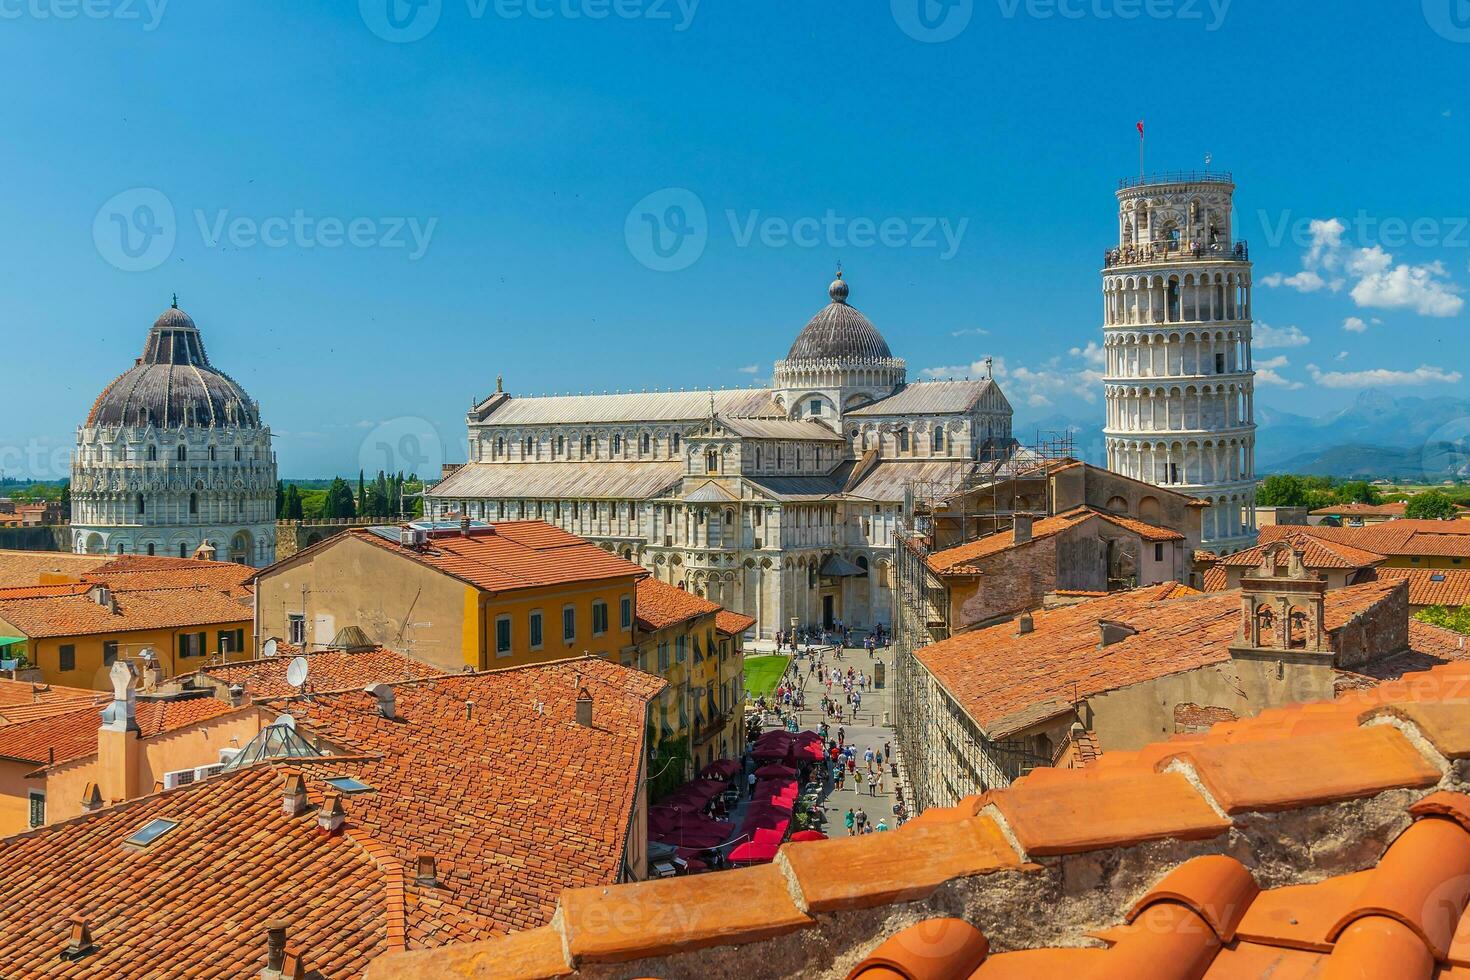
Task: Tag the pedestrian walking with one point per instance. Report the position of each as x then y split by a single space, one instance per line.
750 785
849 820
862 819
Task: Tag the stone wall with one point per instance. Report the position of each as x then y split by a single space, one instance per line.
292 536
51 537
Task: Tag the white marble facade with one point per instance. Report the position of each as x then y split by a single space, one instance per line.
174 460
779 502
1177 334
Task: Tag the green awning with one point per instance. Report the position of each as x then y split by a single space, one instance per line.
6 641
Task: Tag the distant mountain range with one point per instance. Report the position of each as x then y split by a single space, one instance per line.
1410 439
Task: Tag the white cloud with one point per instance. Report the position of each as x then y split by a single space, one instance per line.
1268 373
1421 288
971 331
750 369
1326 243
1424 374
1354 325
1268 337
1342 355
1094 354
1040 386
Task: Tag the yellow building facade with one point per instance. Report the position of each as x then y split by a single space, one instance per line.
482 597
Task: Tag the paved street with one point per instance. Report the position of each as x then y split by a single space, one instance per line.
868 730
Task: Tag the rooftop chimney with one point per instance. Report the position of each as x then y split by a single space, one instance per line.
469 710
276 967
237 695
584 708
91 798
1024 625
464 526
331 817
1021 528
294 803
425 872
384 693
1110 633
80 942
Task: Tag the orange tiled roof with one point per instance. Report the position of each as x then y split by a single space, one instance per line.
27 567
329 670
1358 769
511 555
1401 537
1007 681
733 623
1316 553
1215 579
1431 586
959 558
167 608
26 701
62 738
195 902
492 775
660 605
1395 509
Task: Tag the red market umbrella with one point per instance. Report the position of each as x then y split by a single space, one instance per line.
721 769
803 835
752 853
774 771
766 835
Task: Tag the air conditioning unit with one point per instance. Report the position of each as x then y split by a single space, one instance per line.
229 755
204 772
177 778
413 537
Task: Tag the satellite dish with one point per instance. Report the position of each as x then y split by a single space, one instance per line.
296 671
285 721
269 649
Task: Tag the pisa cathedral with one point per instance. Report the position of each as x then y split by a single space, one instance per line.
174 459
779 502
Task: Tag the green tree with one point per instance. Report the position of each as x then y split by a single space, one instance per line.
339 501
291 509
1451 619
1358 492
280 499
1282 490
1431 505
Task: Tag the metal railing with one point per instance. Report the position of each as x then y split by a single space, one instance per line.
1168 250
1178 177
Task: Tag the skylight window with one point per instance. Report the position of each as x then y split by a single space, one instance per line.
151 831
346 784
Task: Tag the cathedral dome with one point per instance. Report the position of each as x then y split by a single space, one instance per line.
173 385
839 332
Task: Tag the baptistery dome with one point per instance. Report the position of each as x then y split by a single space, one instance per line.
839 332
173 384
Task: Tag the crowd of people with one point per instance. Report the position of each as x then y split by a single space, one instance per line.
836 638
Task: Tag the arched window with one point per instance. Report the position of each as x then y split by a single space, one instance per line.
150 548
530 445
211 454
643 443
142 505
729 518
586 445
676 442
903 440
939 438
183 454
152 453
561 444
617 443
237 454
193 503
712 461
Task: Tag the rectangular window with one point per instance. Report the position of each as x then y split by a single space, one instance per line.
625 613
663 656
1158 552
698 656
38 808
569 624
535 630
296 629
599 618
68 656
502 636
681 648
231 641
190 645
109 653
816 406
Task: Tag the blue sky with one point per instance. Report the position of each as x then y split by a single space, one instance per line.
369 228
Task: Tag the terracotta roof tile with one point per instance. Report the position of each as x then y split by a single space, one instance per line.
1105 810
660 605
1306 770
491 773
931 854
632 921
1431 586
1316 553
958 558
230 833
168 608
511 555
62 738
733 623
329 670
1007 681
1219 889
1402 537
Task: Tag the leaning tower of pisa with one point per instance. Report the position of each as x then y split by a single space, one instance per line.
1177 331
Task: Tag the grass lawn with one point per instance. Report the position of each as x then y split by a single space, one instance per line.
762 673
